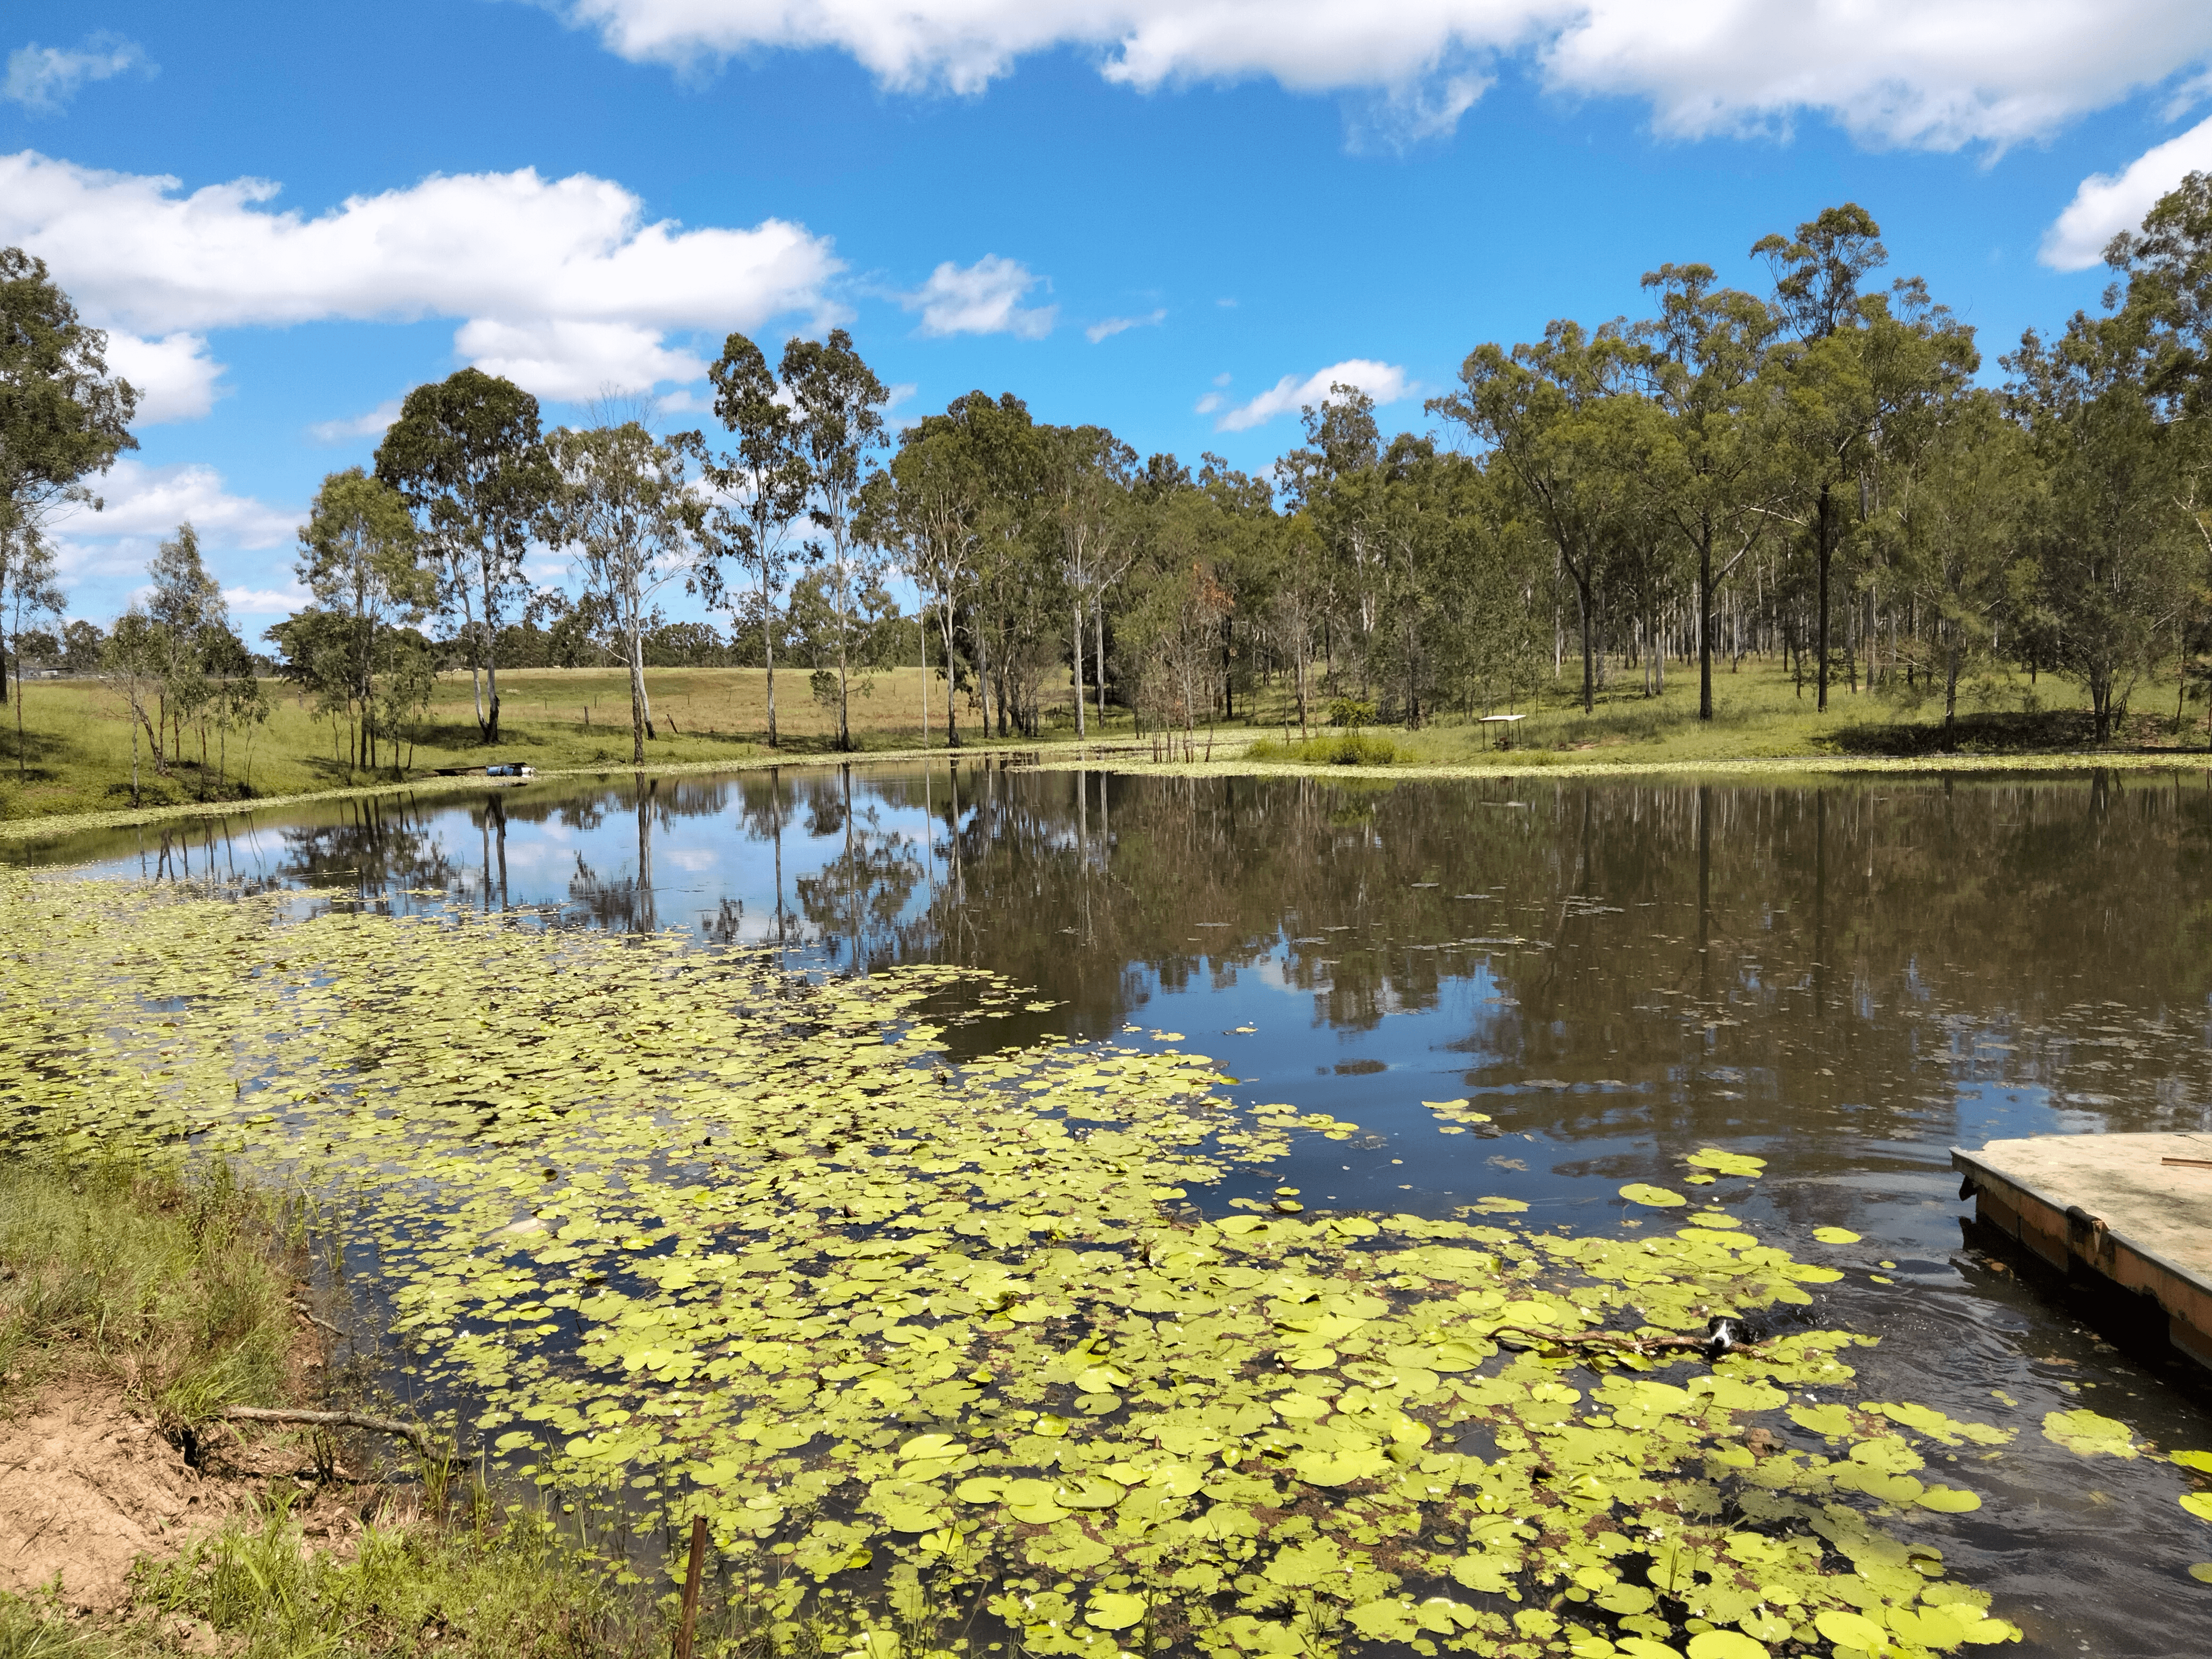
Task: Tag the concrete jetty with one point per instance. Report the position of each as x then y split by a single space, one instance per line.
2136 1209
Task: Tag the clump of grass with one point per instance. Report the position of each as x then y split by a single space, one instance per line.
1345 748
176 1287
496 1591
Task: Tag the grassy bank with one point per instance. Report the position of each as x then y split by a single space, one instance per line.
136 1294
175 1293
73 769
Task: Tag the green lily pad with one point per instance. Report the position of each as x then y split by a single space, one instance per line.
1114 1610
2198 1504
1725 1644
2199 1461
2084 1431
1951 1500
1640 1192
1836 1236
1850 1630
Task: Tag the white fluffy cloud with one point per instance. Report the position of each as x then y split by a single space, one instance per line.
43 79
144 503
1384 382
1940 73
984 298
560 283
173 376
2108 204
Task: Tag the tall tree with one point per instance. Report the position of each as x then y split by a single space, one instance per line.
358 557
625 504
1090 481
761 487
467 455
1964 496
2114 543
936 505
1543 409
186 610
840 405
63 416
35 590
1705 350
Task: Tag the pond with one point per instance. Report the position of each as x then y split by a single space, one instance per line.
1842 978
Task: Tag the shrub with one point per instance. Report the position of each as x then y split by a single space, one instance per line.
1349 748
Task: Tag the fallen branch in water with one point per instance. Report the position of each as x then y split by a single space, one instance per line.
414 1432
1721 1340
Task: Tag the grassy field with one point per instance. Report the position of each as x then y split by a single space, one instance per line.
74 758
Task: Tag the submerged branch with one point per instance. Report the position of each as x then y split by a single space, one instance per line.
412 1432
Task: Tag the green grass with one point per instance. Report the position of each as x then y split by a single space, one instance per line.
74 756
176 1290
73 767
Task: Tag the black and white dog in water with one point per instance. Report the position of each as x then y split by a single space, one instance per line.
1723 1334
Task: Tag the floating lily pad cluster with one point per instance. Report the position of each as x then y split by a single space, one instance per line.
728 1242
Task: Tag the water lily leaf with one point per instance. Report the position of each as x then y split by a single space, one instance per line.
1850 1630
1836 1236
1727 1163
1948 1499
1114 1610
2198 1504
1639 1192
1725 1644
2084 1431
2202 1572
2199 1461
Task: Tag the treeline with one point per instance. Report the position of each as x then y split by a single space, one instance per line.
1817 473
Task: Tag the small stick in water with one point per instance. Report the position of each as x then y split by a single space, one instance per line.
683 1631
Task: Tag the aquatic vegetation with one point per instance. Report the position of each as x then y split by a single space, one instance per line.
916 1322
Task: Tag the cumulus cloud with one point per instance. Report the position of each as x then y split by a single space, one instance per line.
1107 327
562 284
2107 204
173 376
1384 382
984 298
148 502
43 79
1940 73
265 601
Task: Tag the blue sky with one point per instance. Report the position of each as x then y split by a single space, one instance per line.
287 217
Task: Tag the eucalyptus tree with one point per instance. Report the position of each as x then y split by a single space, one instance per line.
761 488
839 402
1018 591
185 607
1090 473
1964 497
1335 480
935 507
1828 401
130 662
63 416
35 590
468 457
625 504
1543 411
1703 354
2114 544
360 557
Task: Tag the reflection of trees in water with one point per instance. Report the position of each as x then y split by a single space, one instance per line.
378 844
1806 956
859 898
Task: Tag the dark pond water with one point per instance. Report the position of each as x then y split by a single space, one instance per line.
1845 978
